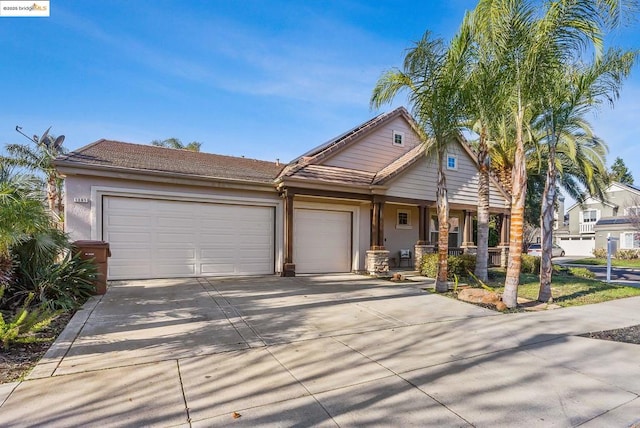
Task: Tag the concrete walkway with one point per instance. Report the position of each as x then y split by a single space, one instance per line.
338 350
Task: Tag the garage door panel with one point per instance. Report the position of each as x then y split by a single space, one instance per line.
126 237
322 241
187 238
174 269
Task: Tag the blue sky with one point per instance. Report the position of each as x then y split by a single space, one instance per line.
261 79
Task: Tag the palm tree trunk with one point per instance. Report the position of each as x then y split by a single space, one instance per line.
442 201
519 193
546 226
52 194
482 256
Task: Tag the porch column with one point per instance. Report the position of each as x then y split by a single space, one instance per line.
377 256
288 268
377 225
504 240
467 232
423 246
422 225
504 230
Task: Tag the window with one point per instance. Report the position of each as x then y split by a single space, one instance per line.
398 138
403 219
629 240
454 229
589 216
452 162
632 211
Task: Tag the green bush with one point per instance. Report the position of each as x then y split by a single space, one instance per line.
599 253
65 284
626 254
22 326
582 272
530 264
457 265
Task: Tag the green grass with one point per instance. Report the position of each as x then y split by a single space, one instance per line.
603 262
568 290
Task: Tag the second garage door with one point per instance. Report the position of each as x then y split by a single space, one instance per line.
152 238
322 241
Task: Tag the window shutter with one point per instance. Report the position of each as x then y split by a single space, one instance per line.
597 215
581 216
623 243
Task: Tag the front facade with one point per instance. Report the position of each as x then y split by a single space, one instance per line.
591 223
364 201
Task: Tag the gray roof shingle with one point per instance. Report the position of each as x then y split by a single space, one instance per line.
116 154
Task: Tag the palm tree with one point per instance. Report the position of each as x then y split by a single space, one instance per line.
175 143
433 75
533 46
485 96
40 160
569 140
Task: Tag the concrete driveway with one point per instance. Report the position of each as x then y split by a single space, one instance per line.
338 350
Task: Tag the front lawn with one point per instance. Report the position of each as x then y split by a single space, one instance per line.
568 290
635 263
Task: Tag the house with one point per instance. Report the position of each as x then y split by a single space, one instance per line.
591 223
351 204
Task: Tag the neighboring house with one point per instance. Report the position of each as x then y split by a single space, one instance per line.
351 204
591 222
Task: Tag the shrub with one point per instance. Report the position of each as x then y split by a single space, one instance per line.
459 266
599 253
530 264
24 323
64 285
582 272
626 254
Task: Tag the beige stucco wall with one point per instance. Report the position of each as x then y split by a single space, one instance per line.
396 239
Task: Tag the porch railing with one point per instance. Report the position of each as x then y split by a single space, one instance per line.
586 227
494 256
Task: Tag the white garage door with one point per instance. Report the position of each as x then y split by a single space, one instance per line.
577 246
322 241
152 238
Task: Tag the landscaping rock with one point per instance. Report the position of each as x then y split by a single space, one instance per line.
479 295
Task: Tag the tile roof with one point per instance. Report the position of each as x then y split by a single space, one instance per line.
335 174
116 154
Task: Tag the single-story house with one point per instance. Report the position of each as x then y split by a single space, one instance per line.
355 203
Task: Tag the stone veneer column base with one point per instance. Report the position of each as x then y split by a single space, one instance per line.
289 269
378 262
420 250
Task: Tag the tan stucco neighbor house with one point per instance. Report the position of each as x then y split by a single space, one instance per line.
360 202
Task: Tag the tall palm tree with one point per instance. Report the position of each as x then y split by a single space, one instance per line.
39 158
569 140
485 96
534 45
175 143
433 76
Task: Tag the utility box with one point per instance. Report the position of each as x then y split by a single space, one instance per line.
99 252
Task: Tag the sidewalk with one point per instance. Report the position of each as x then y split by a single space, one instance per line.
327 351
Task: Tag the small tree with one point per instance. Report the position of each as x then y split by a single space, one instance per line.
620 173
38 157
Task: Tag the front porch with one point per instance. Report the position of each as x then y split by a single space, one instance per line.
387 252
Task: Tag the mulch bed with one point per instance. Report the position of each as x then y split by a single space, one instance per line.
626 335
20 358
